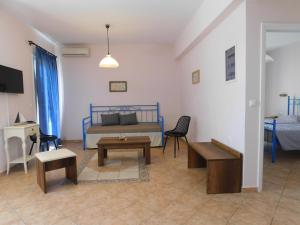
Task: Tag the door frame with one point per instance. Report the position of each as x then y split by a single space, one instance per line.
267 27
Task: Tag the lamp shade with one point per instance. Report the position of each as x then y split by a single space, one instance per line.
108 62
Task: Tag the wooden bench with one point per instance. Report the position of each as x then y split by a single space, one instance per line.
224 165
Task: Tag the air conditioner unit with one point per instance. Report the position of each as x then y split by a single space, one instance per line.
269 59
75 52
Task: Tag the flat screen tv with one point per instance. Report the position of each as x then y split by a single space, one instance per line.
11 80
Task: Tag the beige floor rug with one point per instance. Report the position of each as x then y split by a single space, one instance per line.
118 167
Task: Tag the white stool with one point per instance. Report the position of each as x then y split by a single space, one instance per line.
53 160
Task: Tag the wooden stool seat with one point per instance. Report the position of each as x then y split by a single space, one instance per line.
53 160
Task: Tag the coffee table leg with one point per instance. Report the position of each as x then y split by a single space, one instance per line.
147 154
71 171
100 155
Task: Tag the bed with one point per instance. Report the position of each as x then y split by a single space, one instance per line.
284 130
150 123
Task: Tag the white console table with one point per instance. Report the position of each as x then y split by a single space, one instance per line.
22 132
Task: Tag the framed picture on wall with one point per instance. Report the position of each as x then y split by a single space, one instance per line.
230 64
117 86
196 77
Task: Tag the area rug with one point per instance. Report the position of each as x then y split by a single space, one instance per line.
119 166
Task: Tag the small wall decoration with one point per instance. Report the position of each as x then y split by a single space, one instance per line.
196 77
117 86
283 95
230 64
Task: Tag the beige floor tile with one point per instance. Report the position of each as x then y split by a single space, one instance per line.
159 220
136 213
155 204
292 192
174 195
224 209
268 198
205 219
10 217
4 205
246 215
110 220
178 213
40 214
290 204
275 179
91 216
65 221
286 217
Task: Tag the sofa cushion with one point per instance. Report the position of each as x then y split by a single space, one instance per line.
128 119
110 119
117 129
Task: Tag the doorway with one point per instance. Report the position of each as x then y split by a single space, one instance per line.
266 29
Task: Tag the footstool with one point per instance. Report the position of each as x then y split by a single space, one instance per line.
53 160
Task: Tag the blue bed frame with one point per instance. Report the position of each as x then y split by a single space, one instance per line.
291 110
145 114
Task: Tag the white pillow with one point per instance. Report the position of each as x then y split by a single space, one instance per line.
287 119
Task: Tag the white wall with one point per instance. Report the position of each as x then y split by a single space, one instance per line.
258 12
280 39
217 108
15 52
209 14
148 69
282 76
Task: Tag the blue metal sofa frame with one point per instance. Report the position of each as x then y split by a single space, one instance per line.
292 104
145 114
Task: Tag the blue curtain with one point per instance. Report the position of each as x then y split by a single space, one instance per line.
46 81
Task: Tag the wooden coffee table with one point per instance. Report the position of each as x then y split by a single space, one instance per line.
130 143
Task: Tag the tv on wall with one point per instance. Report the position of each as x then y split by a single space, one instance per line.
11 80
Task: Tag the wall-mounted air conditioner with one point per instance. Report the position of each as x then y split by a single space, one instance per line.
269 59
75 52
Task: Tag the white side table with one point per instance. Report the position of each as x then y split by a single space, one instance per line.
22 132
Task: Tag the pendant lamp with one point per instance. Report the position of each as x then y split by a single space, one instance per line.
108 61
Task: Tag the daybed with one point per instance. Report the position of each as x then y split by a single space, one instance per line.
284 130
150 123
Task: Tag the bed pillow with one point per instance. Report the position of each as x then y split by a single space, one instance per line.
287 119
110 119
128 119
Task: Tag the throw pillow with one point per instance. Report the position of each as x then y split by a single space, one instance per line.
110 119
128 119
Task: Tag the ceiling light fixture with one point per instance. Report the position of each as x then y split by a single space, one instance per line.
108 61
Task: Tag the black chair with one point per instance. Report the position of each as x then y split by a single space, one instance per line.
180 130
44 139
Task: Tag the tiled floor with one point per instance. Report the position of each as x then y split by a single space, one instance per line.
175 195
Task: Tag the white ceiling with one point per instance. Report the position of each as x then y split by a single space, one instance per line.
82 21
276 40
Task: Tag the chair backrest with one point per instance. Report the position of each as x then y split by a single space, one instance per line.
41 133
183 124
